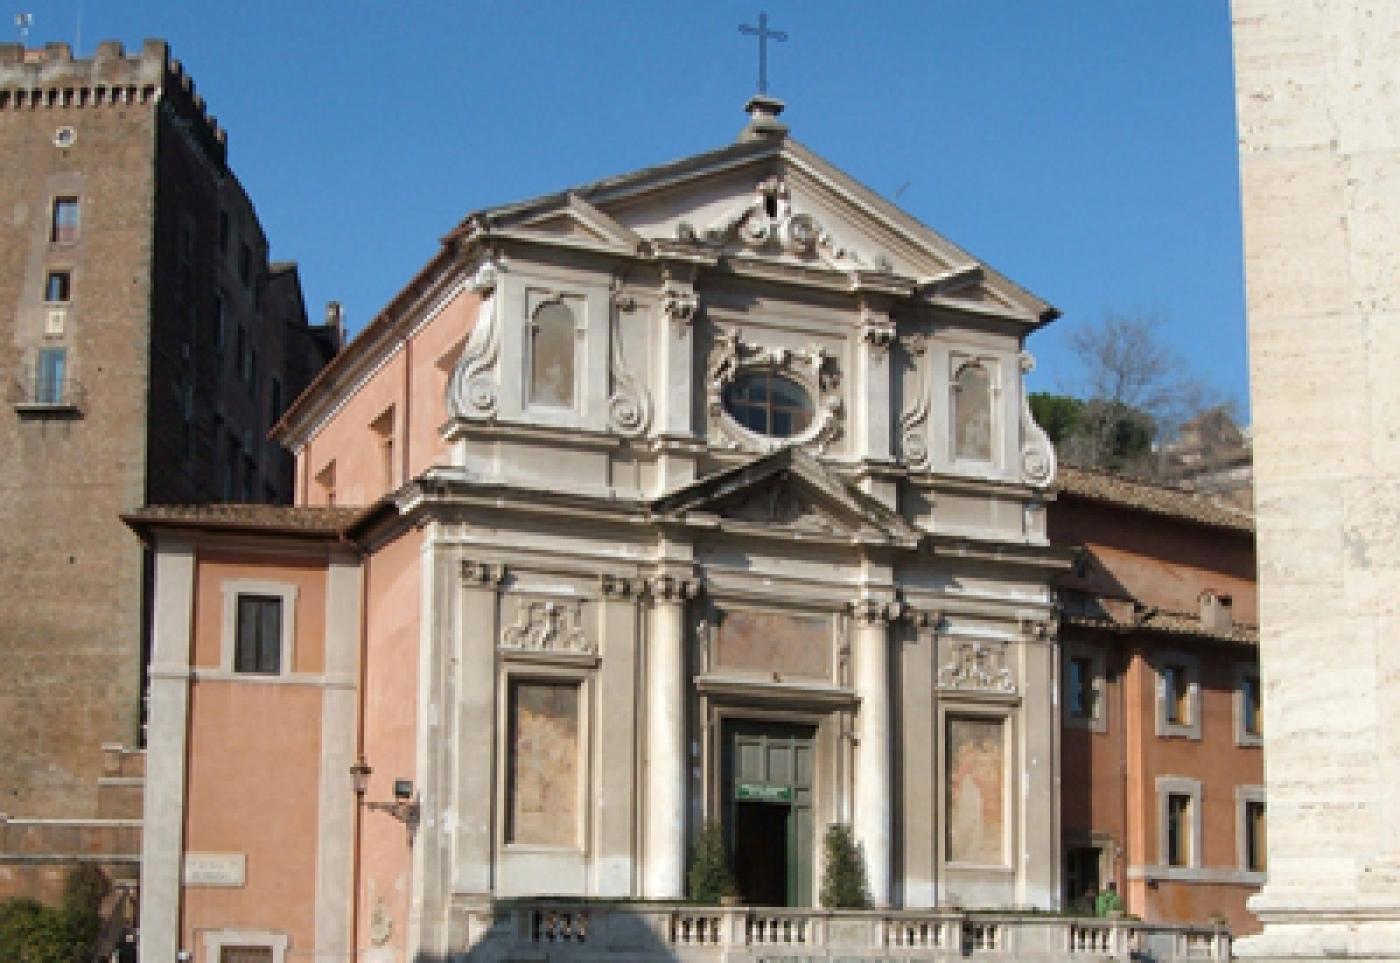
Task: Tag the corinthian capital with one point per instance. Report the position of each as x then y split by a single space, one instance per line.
868 611
672 588
489 574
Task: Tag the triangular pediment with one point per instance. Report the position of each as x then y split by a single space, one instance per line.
775 203
787 491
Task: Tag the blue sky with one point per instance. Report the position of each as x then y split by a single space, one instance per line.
1086 148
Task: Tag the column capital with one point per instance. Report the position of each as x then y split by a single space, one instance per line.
486 574
621 587
1040 630
925 621
870 611
672 588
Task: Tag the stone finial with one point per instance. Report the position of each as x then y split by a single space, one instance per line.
763 122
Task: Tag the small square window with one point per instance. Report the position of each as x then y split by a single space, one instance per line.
58 287
63 227
258 642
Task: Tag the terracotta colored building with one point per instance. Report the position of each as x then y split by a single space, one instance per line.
1161 760
147 343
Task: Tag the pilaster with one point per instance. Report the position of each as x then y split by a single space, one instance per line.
918 759
614 867
872 823
665 748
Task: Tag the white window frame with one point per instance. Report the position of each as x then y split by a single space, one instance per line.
536 300
547 674
1191 729
1097 720
1168 786
216 940
1244 795
957 361
232 589
1243 671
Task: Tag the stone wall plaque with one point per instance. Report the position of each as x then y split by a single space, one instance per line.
216 869
773 642
976 791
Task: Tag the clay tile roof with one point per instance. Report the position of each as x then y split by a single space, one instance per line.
287 519
1172 623
1154 498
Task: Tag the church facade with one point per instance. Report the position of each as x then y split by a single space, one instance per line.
706 494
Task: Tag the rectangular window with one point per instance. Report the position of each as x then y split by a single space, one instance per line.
976 777
1079 693
258 639
49 372
231 456
1178 829
274 404
1251 720
253 372
245 264
1176 691
543 763
383 430
63 228
1082 877
58 287
1256 858
220 322
223 232
240 351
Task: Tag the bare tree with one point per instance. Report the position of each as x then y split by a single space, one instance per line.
1136 391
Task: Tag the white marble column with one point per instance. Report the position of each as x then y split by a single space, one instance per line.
872 824
665 774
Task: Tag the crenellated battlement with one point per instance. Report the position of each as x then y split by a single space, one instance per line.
50 77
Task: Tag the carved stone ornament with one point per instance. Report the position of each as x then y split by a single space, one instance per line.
767 224
1037 451
925 621
875 611
548 625
672 589
381 923
629 405
679 305
471 390
913 421
812 368
482 573
877 330
619 587
977 665
1040 630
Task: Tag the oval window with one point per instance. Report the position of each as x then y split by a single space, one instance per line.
769 404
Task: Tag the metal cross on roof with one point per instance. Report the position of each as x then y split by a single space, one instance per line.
764 35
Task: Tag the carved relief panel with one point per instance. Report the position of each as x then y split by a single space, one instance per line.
547 625
976 665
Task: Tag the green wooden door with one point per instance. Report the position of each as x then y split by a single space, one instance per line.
768 797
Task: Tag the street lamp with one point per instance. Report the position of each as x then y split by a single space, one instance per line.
404 806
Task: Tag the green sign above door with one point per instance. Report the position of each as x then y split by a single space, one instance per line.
757 792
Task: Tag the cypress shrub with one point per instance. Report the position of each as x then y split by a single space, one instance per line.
843 879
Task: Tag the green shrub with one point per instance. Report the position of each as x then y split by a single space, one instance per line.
31 932
710 878
843 880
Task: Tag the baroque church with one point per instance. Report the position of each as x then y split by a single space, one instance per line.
705 494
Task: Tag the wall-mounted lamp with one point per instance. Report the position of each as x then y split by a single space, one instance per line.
404 807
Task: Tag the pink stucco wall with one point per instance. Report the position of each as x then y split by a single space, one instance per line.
413 383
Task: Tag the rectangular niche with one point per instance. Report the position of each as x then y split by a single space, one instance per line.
976 787
543 763
768 642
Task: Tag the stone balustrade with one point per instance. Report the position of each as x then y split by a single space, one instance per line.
566 930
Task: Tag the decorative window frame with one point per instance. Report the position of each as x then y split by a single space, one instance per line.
1191 729
536 300
581 677
1097 719
215 941
232 589
1168 786
1010 815
1244 795
813 368
957 361
1243 671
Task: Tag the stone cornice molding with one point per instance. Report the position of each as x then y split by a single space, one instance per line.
483 574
